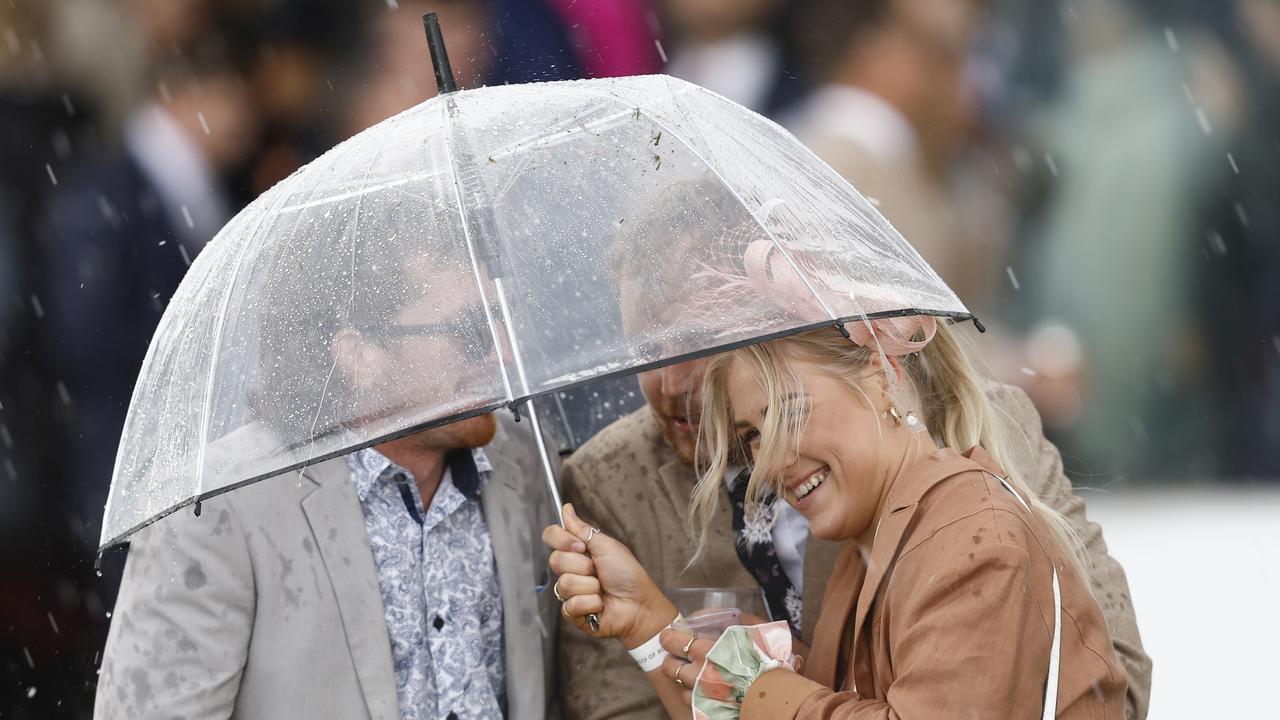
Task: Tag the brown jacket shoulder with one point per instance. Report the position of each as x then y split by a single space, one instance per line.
1039 464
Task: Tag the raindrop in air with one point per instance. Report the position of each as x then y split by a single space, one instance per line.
661 52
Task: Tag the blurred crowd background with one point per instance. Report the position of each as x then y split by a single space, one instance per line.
1098 179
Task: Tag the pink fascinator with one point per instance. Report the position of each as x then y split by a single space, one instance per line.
797 280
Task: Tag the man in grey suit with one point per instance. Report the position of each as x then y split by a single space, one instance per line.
404 580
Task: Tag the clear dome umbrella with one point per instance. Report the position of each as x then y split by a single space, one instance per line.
486 248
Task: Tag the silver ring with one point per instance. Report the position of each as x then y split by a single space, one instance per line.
565 612
685 650
592 534
555 590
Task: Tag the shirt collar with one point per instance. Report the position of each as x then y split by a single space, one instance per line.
470 470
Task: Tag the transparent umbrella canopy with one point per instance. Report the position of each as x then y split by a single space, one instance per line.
485 248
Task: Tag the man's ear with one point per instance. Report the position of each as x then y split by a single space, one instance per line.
359 360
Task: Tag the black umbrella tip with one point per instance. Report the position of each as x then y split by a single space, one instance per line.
439 56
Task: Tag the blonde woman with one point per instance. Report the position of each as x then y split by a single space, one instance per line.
958 594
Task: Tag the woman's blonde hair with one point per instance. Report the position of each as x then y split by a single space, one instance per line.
949 391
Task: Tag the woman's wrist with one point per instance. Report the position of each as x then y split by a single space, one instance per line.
654 616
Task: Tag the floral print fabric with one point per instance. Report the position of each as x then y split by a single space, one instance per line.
439 586
742 654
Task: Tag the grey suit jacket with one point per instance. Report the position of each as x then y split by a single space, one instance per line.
268 605
629 483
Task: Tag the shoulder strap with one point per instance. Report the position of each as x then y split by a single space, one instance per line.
1055 650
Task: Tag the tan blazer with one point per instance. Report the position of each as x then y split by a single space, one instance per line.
628 482
952 615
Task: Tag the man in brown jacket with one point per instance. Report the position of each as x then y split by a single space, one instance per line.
634 480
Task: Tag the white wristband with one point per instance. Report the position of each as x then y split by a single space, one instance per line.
650 654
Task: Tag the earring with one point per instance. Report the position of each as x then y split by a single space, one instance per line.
913 422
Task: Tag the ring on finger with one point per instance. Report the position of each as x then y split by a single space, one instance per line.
684 651
592 533
565 612
678 680
555 590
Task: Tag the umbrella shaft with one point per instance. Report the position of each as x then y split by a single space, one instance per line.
547 468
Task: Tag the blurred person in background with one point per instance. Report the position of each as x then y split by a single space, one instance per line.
393 70
106 50
294 54
893 115
119 234
736 48
48 635
1240 305
1132 146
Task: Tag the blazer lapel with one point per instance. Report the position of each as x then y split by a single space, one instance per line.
884 550
526 632
904 500
337 526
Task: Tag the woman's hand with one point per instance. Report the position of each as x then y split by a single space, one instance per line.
599 576
687 655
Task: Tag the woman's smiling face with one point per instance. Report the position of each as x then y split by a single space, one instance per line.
835 471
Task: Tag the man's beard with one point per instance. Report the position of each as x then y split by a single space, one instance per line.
683 444
473 432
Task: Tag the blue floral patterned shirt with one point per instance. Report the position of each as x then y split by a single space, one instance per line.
439 586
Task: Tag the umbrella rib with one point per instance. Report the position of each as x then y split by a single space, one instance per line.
351 303
678 135
447 137
387 185
217 349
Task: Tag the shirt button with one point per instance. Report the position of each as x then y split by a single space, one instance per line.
437 623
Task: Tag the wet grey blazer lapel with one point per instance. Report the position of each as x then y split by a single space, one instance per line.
524 633
337 526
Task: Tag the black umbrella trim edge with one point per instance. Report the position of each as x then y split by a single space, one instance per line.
954 317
